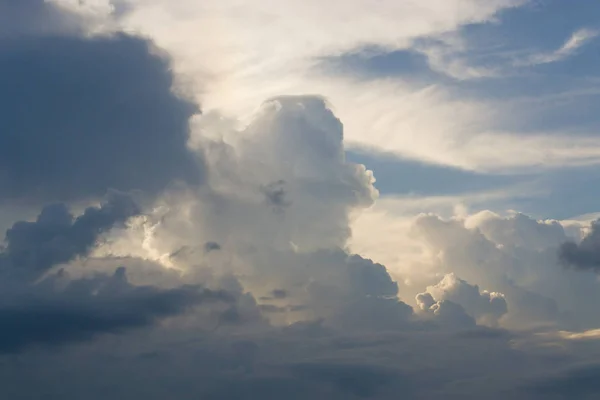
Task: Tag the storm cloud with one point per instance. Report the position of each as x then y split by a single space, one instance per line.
81 115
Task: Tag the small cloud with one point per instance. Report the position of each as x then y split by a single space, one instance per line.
577 40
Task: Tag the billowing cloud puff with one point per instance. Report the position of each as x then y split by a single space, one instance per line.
276 211
81 115
483 306
284 178
282 184
499 266
515 255
445 312
277 207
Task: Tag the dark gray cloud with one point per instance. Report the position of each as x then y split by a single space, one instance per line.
359 380
88 307
585 255
291 364
31 17
578 382
58 310
83 115
57 237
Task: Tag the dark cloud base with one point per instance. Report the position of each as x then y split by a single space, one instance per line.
89 307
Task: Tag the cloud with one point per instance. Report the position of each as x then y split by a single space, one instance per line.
37 308
57 237
265 52
358 380
438 122
446 312
484 306
86 114
579 381
281 180
577 40
86 308
513 254
297 364
278 203
35 17
586 254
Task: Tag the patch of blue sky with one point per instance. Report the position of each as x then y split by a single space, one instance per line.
543 61
558 193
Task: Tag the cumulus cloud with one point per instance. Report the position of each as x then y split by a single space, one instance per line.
278 203
522 274
282 181
445 312
483 306
514 254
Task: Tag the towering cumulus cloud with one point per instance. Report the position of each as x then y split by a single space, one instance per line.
281 193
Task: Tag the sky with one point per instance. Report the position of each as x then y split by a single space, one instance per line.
299 199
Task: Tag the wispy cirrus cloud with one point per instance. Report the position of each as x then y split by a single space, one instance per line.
576 41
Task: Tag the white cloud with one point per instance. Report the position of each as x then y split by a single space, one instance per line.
576 41
277 206
513 254
485 307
